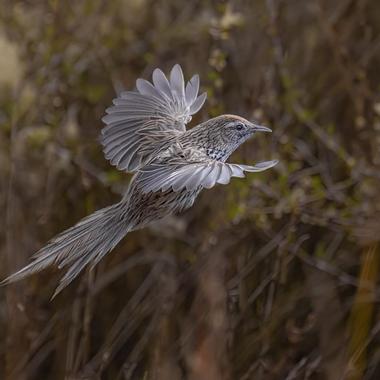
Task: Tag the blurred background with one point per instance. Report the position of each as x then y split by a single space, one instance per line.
275 276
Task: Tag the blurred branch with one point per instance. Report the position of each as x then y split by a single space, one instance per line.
362 313
15 258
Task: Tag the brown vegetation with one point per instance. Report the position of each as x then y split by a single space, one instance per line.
275 276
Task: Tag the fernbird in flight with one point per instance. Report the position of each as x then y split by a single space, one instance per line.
146 134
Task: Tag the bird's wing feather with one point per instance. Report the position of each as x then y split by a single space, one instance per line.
162 177
140 120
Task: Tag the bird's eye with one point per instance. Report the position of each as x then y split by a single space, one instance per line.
239 127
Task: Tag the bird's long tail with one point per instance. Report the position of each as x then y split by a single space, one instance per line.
84 243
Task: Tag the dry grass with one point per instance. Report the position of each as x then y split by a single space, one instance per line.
273 277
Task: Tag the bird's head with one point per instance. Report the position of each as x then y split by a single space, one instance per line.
237 129
230 131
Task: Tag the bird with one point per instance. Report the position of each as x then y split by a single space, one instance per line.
145 134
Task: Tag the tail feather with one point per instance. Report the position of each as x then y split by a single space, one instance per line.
85 243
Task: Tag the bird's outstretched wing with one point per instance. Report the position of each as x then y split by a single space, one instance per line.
140 119
157 177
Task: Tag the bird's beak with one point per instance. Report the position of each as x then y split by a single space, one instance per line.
260 128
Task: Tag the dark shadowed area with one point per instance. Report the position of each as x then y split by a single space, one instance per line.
273 277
